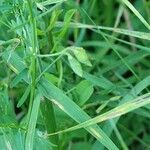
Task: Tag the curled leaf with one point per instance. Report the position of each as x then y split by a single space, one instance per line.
81 55
75 65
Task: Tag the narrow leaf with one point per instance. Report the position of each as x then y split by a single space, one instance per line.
18 78
50 2
117 111
24 97
137 34
32 123
131 7
54 94
67 21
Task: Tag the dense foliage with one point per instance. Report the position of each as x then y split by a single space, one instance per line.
74 74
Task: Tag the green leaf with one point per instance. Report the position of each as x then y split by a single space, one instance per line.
131 59
50 2
54 94
67 20
81 55
117 111
11 139
99 81
24 96
6 109
14 61
131 7
84 90
32 122
128 97
54 18
52 78
75 65
49 120
18 78
137 34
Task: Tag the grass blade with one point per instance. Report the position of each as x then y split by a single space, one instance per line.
75 112
32 122
24 96
137 34
131 7
116 112
50 2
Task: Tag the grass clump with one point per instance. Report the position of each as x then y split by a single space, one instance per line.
74 74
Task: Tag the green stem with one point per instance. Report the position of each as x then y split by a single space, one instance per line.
34 52
76 30
33 62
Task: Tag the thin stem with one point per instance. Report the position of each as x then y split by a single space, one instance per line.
49 55
109 43
38 78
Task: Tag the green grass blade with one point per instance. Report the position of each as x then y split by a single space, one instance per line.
116 112
131 7
120 138
24 96
75 112
99 81
32 123
14 61
50 2
137 89
137 34
18 78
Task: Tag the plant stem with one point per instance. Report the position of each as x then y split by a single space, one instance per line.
33 61
34 52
